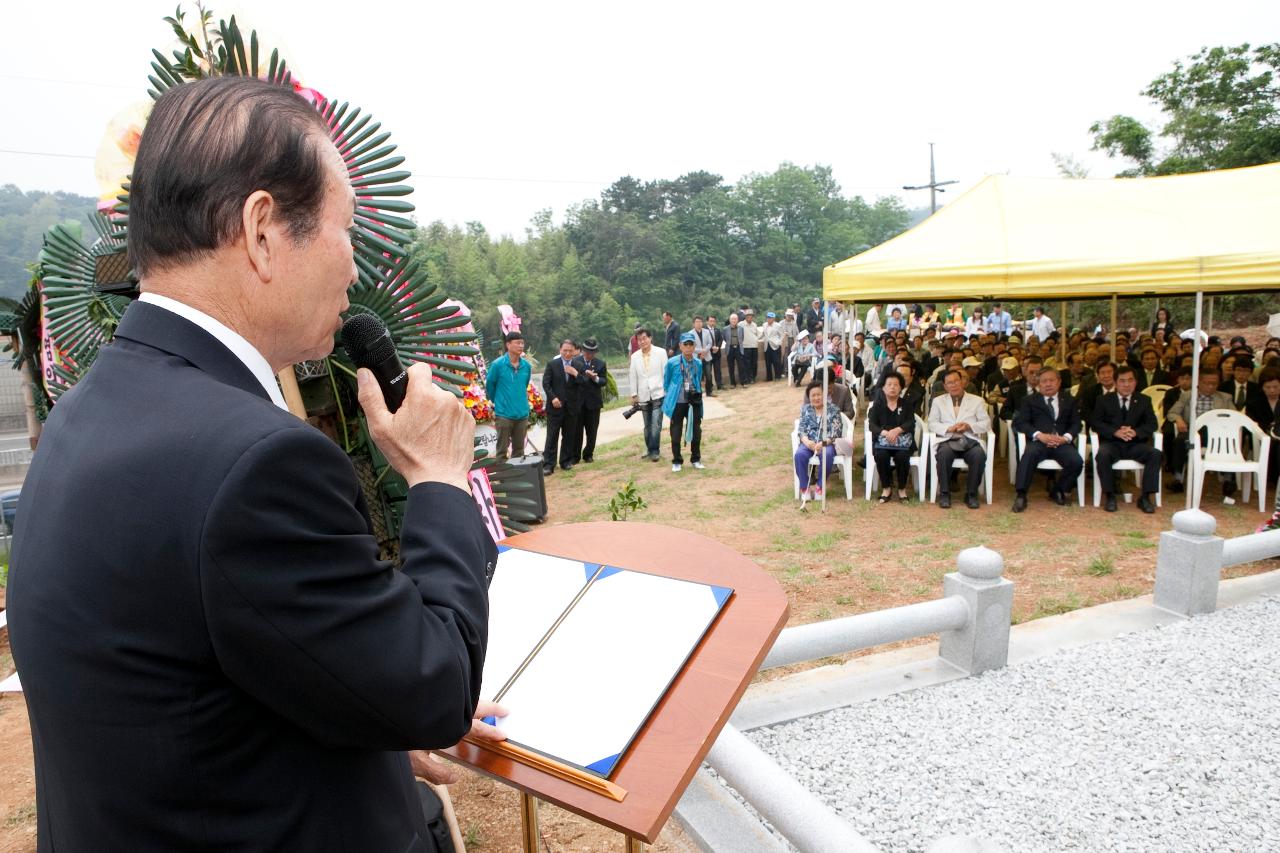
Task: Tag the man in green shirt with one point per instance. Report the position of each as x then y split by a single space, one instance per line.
507 385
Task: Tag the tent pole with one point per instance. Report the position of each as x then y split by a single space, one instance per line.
822 416
1063 334
1114 300
848 348
1208 323
1195 384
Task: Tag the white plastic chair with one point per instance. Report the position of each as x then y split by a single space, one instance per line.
1051 465
1095 444
1010 449
1223 452
1155 393
919 460
844 463
960 464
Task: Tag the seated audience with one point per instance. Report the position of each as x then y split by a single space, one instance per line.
804 353
1106 384
1022 388
1240 386
958 420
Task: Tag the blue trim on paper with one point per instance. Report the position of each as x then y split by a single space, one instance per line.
502 548
605 765
591 569
493 721
608 571
721 594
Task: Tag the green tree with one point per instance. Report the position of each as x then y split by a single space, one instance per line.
1222 111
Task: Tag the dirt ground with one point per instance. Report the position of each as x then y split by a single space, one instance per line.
855 557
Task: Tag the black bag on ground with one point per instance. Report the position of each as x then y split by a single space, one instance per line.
527 470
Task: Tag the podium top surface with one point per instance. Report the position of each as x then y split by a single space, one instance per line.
678 734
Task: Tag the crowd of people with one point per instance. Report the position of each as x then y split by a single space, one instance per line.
962 373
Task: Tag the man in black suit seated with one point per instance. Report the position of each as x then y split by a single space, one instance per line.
593 375
1051 422
1125 422
1106 384
1021 389
1240 387
212 653
1151 373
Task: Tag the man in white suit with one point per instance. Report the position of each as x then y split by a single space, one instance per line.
956 422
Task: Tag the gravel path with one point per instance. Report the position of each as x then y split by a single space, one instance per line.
1163 740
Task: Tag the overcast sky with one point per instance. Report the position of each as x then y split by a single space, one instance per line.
503 109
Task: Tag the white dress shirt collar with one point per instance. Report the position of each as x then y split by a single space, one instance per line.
239 347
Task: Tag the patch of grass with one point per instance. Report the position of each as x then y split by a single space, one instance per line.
921 540
823 542
779 499
874 582
21 815
1124 591
1004 523
473 837
842 570
1050 605
844 600
1100 567
703 515
793 572
920 591
822 614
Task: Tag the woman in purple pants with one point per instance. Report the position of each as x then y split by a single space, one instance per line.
813 441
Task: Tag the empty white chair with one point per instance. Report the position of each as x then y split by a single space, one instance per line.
1223 452
1155 393
961 465
1123 465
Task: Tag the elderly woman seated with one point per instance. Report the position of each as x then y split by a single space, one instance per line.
892 425
804 352
815 442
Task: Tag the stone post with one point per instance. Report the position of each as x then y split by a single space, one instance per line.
1189 565
983 643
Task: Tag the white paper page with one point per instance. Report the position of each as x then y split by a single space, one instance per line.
600 674
528 593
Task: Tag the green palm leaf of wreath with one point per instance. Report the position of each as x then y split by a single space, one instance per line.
79 318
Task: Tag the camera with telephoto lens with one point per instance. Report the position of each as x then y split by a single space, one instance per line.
631 411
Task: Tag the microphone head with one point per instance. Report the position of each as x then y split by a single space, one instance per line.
366 340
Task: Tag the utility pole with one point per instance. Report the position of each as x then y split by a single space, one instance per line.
933 184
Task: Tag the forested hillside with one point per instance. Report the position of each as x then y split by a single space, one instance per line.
689 245
24 217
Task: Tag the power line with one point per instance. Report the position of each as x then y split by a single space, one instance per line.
135 88
47 154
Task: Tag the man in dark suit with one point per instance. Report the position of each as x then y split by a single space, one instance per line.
1150 372
1091 394
1051 422
212 654
673 334
1021 389
713 380
1125 423
593 375
564 398
1241 388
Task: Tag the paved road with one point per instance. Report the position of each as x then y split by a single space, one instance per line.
14 441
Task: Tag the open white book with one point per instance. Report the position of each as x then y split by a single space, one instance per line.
581 653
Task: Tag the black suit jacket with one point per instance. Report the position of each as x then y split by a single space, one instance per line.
673 337
1264 414
1252 393
558 384
1089 398
1035 415
1160 377
213 656
1016 396
1108 417
591 392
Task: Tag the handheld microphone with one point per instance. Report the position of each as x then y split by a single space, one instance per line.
368 344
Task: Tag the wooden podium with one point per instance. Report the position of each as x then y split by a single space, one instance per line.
670 747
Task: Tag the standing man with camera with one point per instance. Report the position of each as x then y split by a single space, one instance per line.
646 375
592 377
682 379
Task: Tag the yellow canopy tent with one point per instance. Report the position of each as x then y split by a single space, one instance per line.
1044 238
